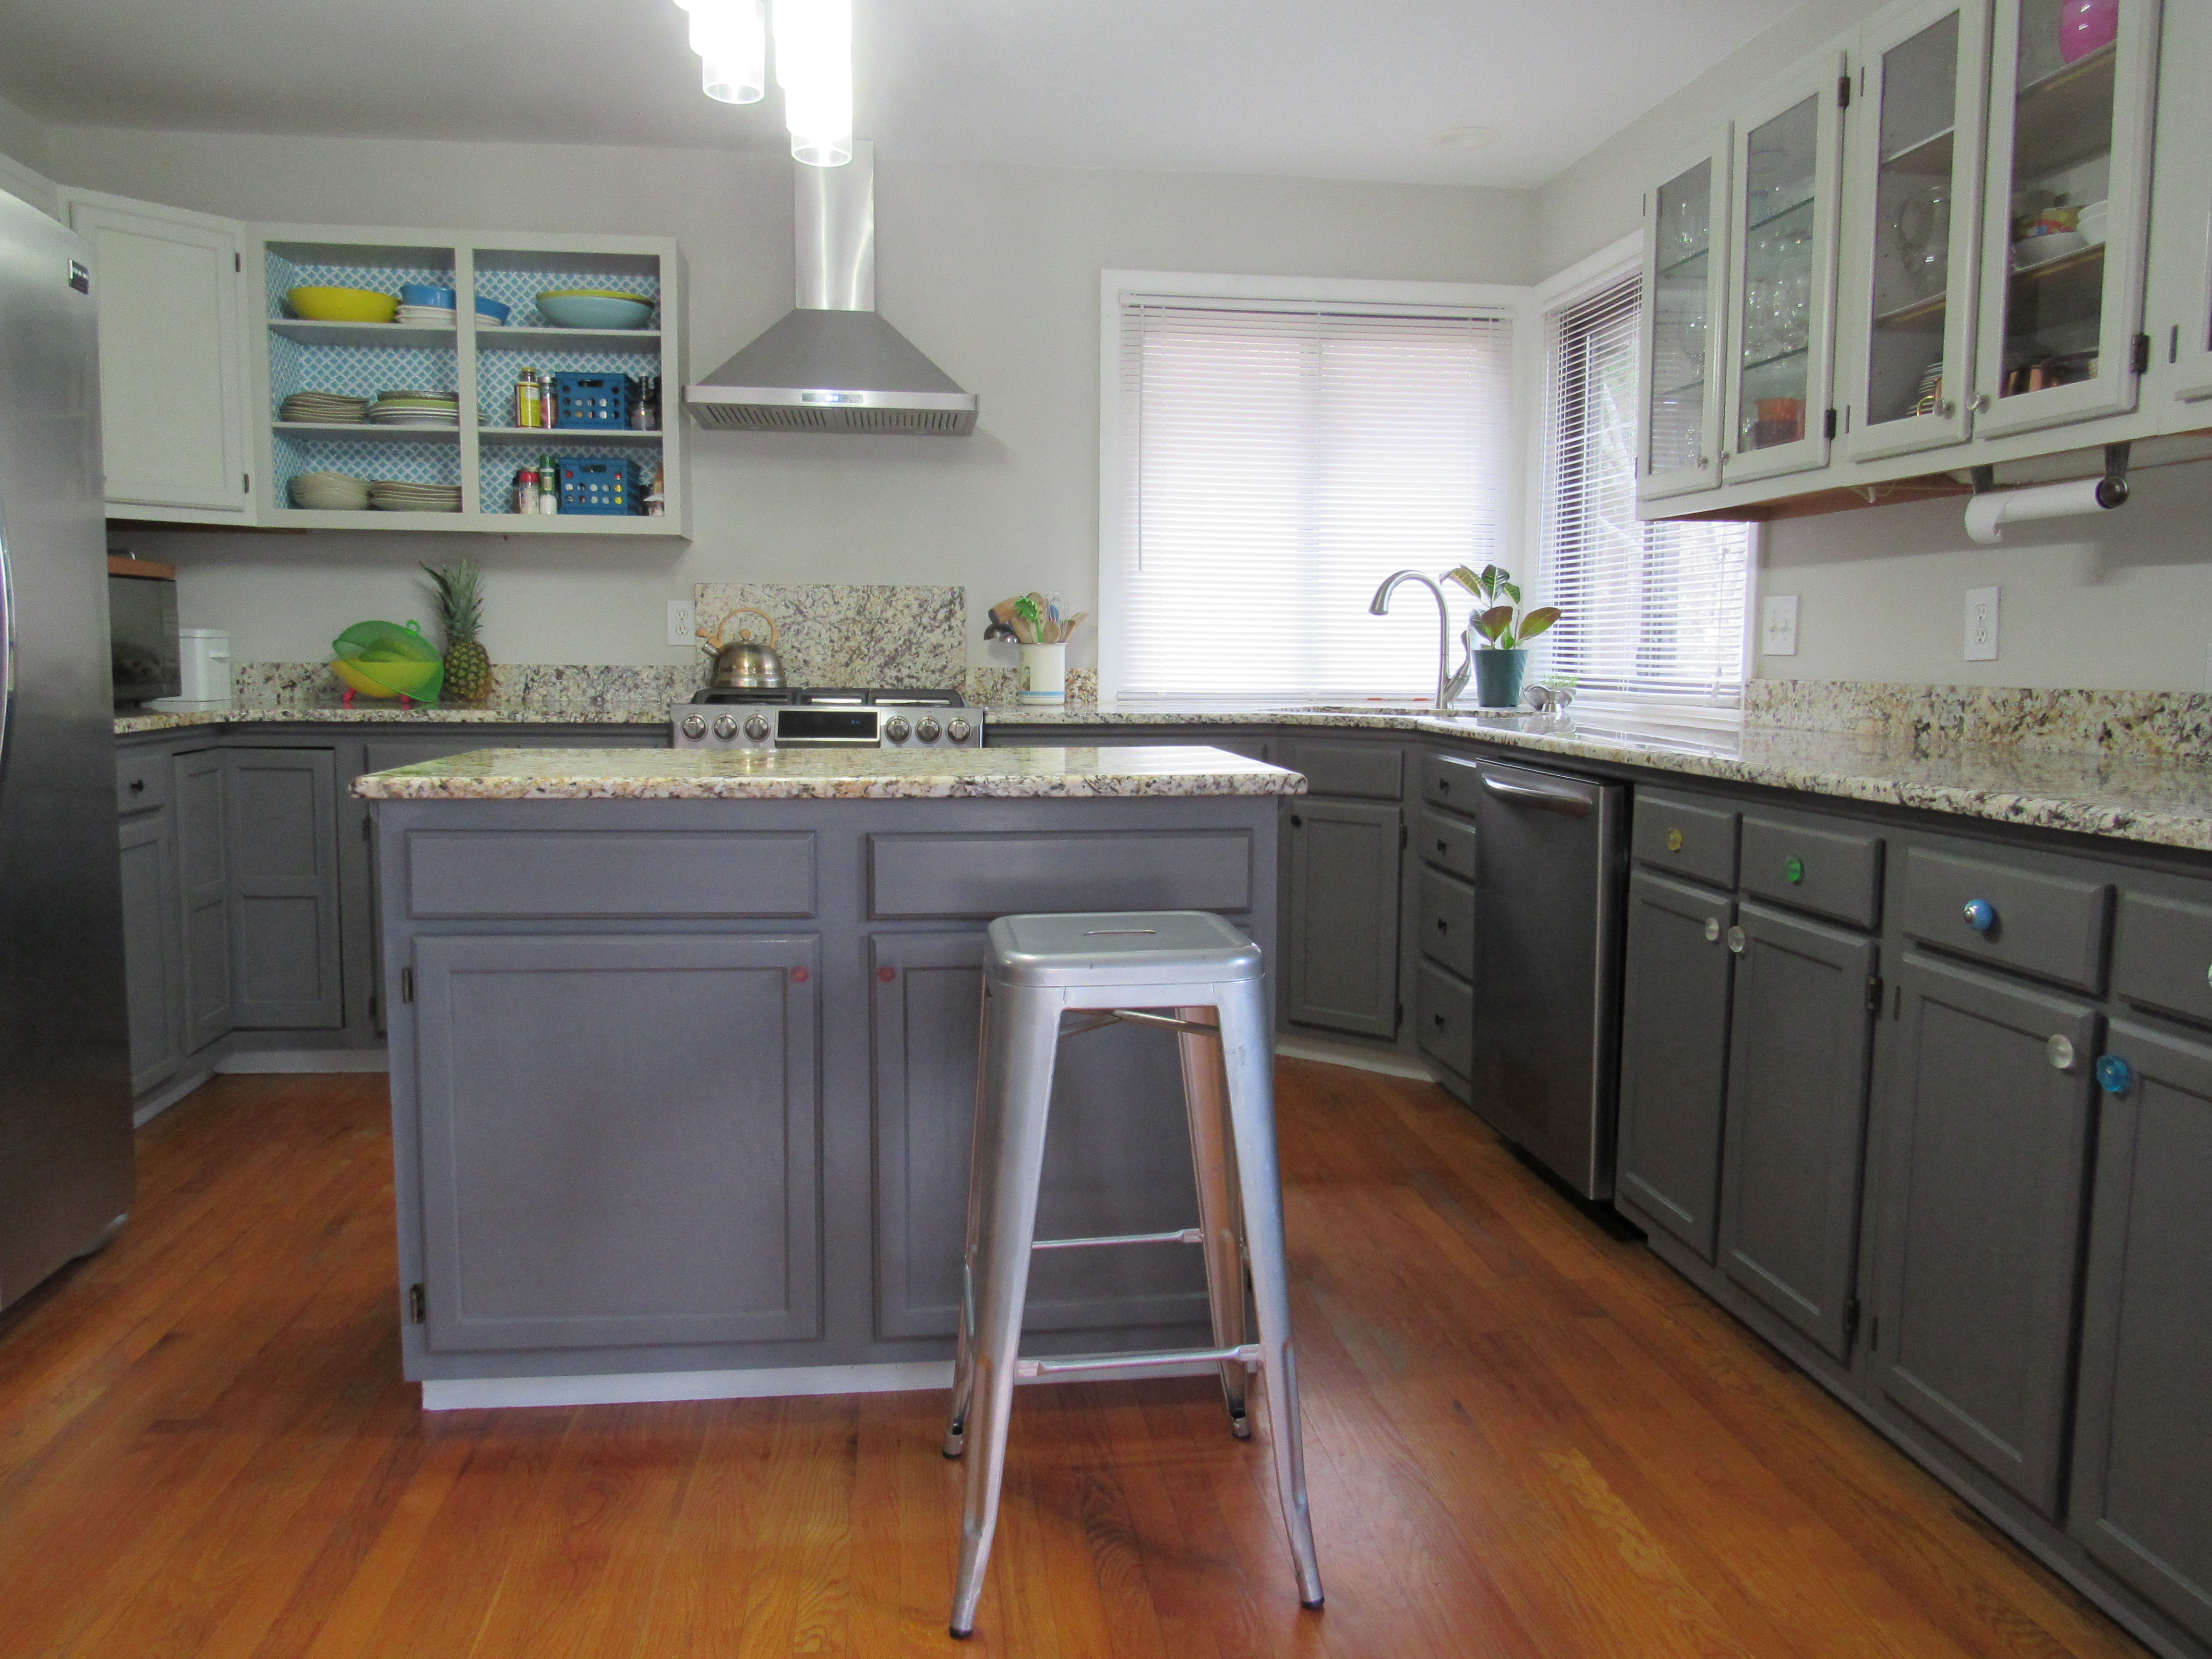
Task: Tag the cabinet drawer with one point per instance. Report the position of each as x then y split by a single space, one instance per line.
1443 1022
1449 843
1372 771
1685 837
142 780
569 873
2162 957
1830 872
1450 781
2044 925
1445 925
932 875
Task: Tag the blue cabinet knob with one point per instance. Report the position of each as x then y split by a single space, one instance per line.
2114 1075
1981 916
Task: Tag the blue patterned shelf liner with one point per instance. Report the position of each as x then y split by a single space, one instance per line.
520 289
499 366
498 459
358 371
402 462
284 276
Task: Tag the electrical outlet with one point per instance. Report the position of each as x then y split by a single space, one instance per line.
1778 625
683 618
1982 624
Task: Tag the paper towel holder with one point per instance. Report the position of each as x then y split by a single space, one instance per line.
1991 509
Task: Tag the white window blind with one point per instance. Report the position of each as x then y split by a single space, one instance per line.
1654 612
1278 461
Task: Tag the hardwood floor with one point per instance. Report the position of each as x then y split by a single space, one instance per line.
1524 1438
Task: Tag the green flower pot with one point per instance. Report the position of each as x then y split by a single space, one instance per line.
1498 677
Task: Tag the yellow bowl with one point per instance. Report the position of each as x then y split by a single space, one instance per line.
391 680
343 304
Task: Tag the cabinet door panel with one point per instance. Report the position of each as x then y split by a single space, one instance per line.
1673 1055
204 873
2181 253
2142 1456
1686 260
618 1138
283 848
1342 929
1801 1033
150 953
1985 1137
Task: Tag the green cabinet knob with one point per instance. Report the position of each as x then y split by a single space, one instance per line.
1794 870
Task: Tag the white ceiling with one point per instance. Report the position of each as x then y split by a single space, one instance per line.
1308 88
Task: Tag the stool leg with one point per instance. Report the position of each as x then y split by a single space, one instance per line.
1206 1101
964 1363
1249 1059
1024 1034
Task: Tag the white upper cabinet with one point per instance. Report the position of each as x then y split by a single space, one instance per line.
1685 259
1782 270
2066 216
1913 200
2180 324
172 365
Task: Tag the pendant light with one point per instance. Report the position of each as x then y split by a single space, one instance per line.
814 67
731 37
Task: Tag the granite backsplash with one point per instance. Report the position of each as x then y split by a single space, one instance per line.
2174 725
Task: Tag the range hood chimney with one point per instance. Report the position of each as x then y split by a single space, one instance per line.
834 364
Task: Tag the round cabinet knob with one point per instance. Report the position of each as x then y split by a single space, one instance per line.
1674 841
726 727
898 731
1981 916
1712 930
2114 1075
959 730
929 731
692 727
756 729
2060 1051
1793 871
1947 409
1296 823
1735 940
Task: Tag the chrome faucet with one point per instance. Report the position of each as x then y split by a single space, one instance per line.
1449 685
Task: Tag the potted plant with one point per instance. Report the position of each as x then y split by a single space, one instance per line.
1506 631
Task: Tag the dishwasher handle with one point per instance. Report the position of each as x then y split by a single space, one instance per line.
1564 798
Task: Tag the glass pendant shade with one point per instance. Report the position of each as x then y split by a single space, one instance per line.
731 37
814 67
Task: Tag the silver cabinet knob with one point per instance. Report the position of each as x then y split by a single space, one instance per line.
929 731
726 727
959 730
1735 940
756 729
1947 409
692 727
2060 1051
1712 930
898 731
1981 404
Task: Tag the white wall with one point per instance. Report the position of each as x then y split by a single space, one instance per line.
23 158
993 272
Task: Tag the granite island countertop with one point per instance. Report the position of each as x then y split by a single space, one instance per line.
829 775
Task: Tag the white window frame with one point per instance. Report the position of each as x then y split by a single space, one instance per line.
1583 280
1114 286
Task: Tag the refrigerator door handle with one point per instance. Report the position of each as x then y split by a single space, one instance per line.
1570 801
6 643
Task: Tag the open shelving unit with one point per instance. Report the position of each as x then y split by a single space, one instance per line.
474 359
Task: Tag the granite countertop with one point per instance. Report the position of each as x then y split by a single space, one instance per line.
827 775
385 713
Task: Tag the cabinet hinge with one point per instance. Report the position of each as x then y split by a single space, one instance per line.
1398 1020
245 483
1874 1332
2142 361
1830 426
1401 835
1844 92
1850 1316
407 985
368 827
372 1007
1874 993
237 262
419 1305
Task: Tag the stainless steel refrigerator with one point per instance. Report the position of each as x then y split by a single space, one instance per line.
66 1174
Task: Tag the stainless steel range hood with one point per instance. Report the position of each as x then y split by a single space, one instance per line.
834 365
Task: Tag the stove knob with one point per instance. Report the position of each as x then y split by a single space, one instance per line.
959 730
929 731
725 727
692 727
756 729
897 729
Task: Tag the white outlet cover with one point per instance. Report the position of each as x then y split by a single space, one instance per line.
1982 624
1778 625
682 618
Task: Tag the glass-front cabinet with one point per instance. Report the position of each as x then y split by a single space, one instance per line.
2066 218
1685 255
2180 325
1782 277
1914 197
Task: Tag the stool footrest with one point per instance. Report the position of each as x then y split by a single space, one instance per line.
1078 1365
1185 1236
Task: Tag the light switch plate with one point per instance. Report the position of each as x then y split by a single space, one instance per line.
1982 624
682 618
1778 625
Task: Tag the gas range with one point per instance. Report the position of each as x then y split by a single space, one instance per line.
827 717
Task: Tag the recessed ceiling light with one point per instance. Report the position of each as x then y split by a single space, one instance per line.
1467 137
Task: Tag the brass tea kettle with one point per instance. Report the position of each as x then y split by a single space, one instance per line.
744 663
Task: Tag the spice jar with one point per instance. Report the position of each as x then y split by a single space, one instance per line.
529 400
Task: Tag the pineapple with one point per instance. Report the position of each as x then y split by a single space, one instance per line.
461 613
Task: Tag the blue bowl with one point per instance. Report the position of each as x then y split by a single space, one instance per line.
593 311
493 308
423 294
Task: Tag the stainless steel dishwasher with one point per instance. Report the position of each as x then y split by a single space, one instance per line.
1550 851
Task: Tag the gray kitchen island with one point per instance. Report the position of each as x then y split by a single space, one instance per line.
683 1053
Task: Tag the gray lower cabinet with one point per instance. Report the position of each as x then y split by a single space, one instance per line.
1341 918
203 874
2142 1502
619 1138
282 841
1986 1138
1675 1054
1799 1055
152 948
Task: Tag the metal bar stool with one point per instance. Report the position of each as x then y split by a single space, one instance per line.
1124 966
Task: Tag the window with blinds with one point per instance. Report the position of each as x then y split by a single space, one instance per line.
1654 612
1278 461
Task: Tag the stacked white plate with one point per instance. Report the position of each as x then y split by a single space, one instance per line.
324 408
332 492
391 496
416 408
427 316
